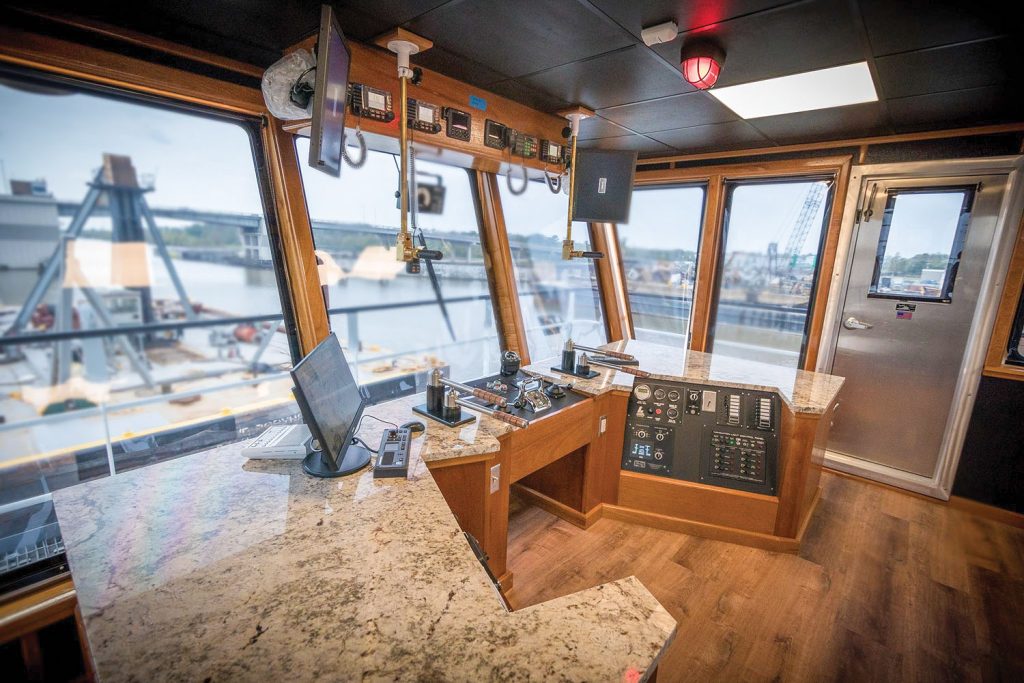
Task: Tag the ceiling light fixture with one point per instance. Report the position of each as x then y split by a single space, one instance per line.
701 62
834 87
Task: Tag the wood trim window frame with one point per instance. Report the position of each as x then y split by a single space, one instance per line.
57 57
712 233
1006 316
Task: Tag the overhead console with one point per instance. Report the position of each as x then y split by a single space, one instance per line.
701 433
491 132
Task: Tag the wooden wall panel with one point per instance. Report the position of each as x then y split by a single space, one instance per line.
708 257
609 282
501 277
376 67
64 58
826 263
690 501
1013 289
299 265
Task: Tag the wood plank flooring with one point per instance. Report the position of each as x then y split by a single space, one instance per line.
887 587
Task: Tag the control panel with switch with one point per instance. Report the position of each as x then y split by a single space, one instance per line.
713 435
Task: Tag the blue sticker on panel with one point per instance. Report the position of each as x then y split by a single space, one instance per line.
478 103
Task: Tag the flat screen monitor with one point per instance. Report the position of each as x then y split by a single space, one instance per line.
604 185
330 95
331 404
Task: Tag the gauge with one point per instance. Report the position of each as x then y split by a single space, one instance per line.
642 392
673 395
673 413
659 394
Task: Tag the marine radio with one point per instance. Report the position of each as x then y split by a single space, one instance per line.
552 152
423 116
495 134
371 103
460 123
521 144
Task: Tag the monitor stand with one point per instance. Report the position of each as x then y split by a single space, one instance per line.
353 459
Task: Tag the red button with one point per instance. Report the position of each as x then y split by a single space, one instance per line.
657 411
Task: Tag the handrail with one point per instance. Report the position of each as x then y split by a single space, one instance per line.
42 337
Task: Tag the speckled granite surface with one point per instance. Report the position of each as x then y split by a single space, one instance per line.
803 392
212 568
439 442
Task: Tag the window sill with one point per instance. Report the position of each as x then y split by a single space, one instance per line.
1004 372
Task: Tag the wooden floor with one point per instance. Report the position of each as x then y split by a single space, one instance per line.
887 587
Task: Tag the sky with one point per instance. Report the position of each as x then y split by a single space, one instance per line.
206 164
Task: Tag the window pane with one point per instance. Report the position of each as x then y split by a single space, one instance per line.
559 299
159 325
355 221
919 246
773 234
659 256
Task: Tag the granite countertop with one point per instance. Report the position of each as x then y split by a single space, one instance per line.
214 567
803 392
439 442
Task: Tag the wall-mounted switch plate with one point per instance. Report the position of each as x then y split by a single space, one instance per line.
603 426
495 478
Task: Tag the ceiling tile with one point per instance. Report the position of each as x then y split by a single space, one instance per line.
793 39
516 90
835 123
713 138
632 74
441 60
954 67
359 25
915 24
633 16
598 127
636 143
692 109
521 37
393 12
975 107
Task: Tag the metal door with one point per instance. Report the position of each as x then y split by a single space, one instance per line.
918 259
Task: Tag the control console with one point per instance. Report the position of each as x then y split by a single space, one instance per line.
708 434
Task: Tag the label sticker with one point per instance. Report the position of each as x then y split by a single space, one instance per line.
905 311
478 103
602 185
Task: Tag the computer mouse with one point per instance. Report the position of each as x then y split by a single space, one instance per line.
415 426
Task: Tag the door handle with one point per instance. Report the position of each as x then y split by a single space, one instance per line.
852 323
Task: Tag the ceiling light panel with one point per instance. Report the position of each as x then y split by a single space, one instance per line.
822 89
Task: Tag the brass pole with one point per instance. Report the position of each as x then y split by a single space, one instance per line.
404 239
567 245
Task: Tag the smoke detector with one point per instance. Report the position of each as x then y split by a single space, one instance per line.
662 33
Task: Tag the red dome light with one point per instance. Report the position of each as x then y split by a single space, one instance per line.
701 72
701 63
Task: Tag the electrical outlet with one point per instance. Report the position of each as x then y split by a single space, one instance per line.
603 426
495 478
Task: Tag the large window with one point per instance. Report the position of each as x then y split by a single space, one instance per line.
396 326
773 234
139 311
659 258
559 299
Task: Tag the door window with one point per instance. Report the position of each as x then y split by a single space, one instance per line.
920 243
